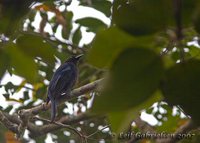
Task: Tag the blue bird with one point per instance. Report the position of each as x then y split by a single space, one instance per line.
62 83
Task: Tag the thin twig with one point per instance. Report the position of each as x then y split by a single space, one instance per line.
43 130
177 14
98 131
62 125
178 20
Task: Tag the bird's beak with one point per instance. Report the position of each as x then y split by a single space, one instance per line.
79 56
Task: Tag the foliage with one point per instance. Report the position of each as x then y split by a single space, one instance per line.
148 55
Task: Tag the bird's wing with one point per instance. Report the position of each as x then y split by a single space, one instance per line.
62 80
57 76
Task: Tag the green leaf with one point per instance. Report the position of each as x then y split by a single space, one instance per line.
55 27
11 14
6 95
188 10
35 46
104 50
66 31
181 87
121 120
101 5
9 85
196 20
133 78
8 109
23 64
21 85
92 24
170 125
192 137
40 91
26 95
3 62
149 110
140 17
77 36
194 51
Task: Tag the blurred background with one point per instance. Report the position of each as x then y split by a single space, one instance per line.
135 45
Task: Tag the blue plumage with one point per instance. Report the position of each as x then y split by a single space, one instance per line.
62 82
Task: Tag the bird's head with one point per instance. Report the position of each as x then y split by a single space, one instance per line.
74 59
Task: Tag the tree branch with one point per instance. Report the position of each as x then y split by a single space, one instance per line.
74 94
17 123
64 126
8 124
178 20
97 131
43 130
26 114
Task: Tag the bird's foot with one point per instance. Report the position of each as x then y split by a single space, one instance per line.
45 106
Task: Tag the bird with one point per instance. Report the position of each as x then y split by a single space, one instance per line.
62 82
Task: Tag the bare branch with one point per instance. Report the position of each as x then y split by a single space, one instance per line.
178 20
42 130
97 131
19 122
26 114
13 118
75 93
11 126
63 126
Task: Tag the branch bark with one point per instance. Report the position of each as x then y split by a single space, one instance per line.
74 94
8 124
178 20
43 130
17 123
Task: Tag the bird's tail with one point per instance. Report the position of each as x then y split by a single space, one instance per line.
53 110
47 100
